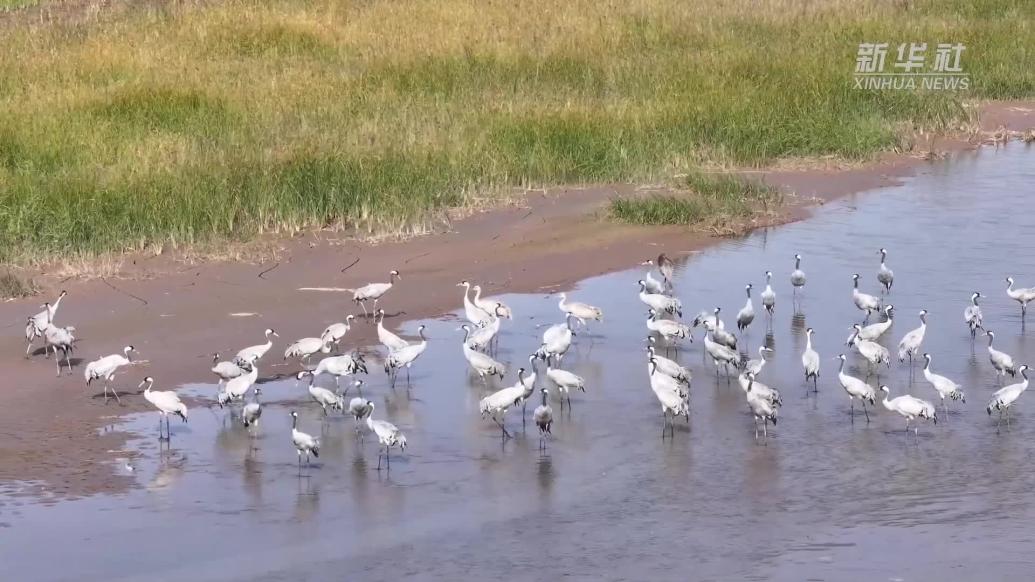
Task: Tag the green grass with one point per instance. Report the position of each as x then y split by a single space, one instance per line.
187 123
14 4
722 201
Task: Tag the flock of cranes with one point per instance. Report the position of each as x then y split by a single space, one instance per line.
669 380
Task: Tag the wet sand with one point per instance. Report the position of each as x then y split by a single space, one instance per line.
176 315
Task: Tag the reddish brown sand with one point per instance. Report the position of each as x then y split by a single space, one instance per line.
178 319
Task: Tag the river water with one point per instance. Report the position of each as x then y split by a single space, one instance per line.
824 499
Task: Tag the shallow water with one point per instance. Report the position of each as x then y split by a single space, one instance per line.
824 499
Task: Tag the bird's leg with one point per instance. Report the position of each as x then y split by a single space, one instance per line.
407 375
388 457
765 431
997 424
115 393
363 304
866 412
852 412
569 403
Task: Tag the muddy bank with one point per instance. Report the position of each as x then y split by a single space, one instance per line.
178 315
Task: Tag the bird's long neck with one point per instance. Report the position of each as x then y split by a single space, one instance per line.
544 398
990 341
886 403
841 368
797 264
54 306
467 289
370 420
420 332
294 423
927 366
855 284
477 294
808 343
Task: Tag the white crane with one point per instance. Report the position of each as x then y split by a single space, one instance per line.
565 382
322 396
105 368
810 362
759 390
482 364
226 370
666 366
339 366
747 314
719 333
167 402
543 417
529 384
1001 361
1004 398
709 320
863 301
336 331
304 443
672 402
662 381
874 353
761 408
659 302
360 408
797 275
388 436
720 354
405 357
387 338
252 354
373 291
37 323
910 344
946 388
497 404
856 388
873 331
480 338
768 295
578 310
236 388
910 408
60 338
491 305
474 313
885 276
972 315
304 349
252 411
653 285
1024 296
556 341
755 365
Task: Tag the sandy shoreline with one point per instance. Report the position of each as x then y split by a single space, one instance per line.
179 317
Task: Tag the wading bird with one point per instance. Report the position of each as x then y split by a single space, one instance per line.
543 417
578 310
565 382
672 401
759 389
873 331
670 330
322 396
304 443
252 354
387 338
1001 361
1024 296
339 366
946 388
556 341
336 331
874 353
360 408
972 315
747 314
405 357
226 370
761 408
910 344
236 388
797 275
666 366
474 313
863 301
856 388
388 436
720 354
910 408
37 323
374 291
167 402
660 302
252 411
105 368
755 365
1004 398
885 276
481 363
304 349
810 362
491 305
60 338
667 269
768 295
497 404
652 285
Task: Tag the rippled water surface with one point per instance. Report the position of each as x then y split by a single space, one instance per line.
824 499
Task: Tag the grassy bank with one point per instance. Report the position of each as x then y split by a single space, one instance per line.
179 123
